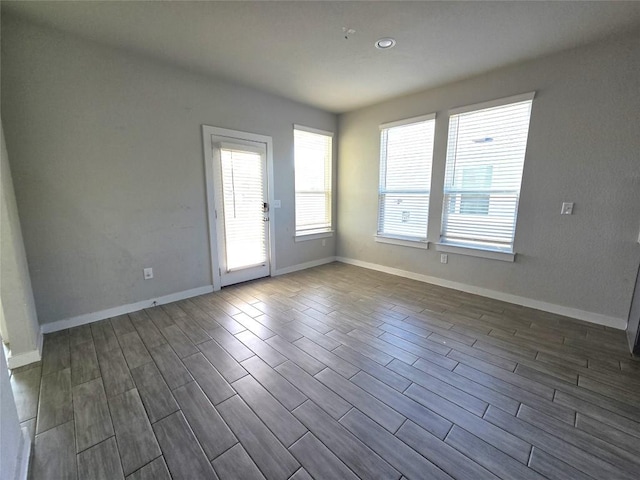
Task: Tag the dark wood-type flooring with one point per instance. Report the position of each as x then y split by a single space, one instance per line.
335 372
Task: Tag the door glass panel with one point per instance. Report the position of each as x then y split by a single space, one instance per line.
243 197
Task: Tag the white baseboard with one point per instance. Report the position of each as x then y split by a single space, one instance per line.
597 318
174 297
22 359
121 310
25 358
305 265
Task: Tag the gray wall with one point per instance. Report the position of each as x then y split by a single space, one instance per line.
106 152
584 146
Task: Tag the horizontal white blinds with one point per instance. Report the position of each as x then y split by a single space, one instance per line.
313 181
242 200
485 158
406 154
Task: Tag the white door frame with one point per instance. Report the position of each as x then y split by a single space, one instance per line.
234 135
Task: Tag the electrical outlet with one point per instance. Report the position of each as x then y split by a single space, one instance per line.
444 258
324 242
277 204
148 273
567 208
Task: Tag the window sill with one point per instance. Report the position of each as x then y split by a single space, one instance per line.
303 237
402 242
476 252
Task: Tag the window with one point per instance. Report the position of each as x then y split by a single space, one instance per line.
485 158
312 151
473 178
406 154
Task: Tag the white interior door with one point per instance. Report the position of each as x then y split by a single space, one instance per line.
241 209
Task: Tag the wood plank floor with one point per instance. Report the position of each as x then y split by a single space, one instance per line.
334 372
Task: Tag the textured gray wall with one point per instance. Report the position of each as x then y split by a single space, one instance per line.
106 153
584 147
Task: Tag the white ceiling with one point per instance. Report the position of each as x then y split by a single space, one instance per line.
298 50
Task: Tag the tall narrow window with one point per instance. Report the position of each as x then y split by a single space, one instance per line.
312 150
406 154
485 159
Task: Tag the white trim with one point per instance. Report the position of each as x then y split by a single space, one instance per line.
303 237
22 359
305 265
25 454
270 196
121 310
207 132
476 252
408 121
402 241
312 130
523 97
597 318
40 342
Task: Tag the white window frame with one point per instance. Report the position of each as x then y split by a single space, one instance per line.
302 235
394 239
478 249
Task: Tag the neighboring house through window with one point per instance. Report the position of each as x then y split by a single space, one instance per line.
472 179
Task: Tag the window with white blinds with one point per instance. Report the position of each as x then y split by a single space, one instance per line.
312 150
485 159
242 199
406 154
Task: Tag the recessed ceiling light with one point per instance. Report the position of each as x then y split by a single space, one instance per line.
385 43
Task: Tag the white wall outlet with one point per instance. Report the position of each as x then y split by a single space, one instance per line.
444 258
148 273
324 242
567 208
277 204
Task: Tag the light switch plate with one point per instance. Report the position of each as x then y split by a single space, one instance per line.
567 208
